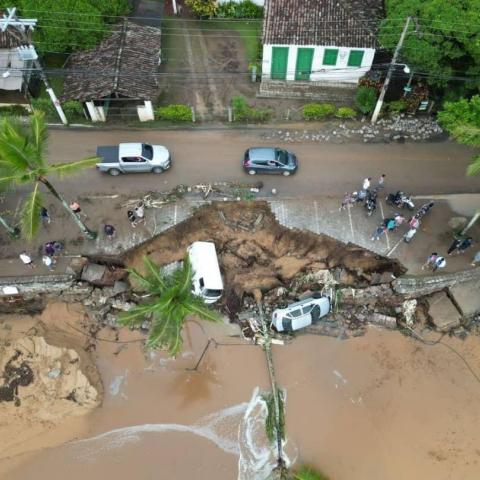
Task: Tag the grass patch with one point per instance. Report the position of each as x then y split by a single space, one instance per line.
249 31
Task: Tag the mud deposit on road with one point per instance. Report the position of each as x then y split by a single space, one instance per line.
380 407
256 252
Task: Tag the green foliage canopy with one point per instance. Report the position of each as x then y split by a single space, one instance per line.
66 25
443 40
365 99
461 119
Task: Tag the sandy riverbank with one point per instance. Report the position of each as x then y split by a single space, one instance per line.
379 406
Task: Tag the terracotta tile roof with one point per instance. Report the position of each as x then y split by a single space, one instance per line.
125 63
341 23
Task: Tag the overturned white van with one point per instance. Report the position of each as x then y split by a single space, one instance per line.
207 279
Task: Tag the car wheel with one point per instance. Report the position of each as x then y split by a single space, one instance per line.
157 170
114 172
286 174
252 172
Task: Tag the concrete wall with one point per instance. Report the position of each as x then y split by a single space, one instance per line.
334 73
9 59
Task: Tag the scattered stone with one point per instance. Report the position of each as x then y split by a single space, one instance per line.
93 273
119 287
76 266
442 312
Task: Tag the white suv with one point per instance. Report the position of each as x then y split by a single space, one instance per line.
300 314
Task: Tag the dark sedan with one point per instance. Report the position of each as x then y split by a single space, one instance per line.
269 160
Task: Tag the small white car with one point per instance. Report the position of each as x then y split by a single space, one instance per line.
300 314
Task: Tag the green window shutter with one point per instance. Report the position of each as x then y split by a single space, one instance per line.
279 63
303 68
355 58
330 56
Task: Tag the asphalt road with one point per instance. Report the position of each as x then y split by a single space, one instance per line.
215 155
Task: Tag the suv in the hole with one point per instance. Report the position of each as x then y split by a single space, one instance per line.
300 314
269 160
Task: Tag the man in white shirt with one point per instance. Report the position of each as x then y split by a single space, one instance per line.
366 183
48 262
27 260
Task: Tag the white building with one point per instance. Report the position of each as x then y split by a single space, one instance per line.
319 41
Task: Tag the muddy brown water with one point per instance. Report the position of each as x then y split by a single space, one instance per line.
380 407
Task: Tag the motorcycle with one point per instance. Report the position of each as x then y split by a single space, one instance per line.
371 203
423 210
400 200
413 224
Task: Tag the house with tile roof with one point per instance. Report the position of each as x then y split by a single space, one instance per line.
322 42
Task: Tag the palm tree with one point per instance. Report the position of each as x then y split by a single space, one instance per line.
12 231
22 161
169 301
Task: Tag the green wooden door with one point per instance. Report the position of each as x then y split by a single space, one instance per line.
303 68
279 63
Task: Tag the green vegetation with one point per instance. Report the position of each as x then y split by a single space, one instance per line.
202 8
169 302
442 40
365 99
318 111
242 112
66 25
13 111
270 424
346 112
45 106
396 106
308 473
174 113
461 119
22 154
244 9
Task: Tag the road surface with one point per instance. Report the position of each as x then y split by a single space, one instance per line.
215 155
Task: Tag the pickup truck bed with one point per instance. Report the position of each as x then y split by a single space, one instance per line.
108 154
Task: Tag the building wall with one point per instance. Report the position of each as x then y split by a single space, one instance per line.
10 61
335 73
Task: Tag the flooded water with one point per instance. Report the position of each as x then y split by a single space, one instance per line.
378 407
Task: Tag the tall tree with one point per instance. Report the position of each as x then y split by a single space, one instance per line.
22 161
443 41
66 25
169 301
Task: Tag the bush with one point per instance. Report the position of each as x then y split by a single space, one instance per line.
174 113
73 109
345 112
202 8
397 106
318 111
242 112
244 9
13 111
365 99
46 106
308 473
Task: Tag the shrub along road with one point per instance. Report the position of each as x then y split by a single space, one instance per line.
216 155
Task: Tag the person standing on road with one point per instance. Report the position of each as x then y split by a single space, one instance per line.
132 219
399 219
379 231
455 244
109 231
381 181
366 183
49 249
75 208
140 212
26 259
44 216
430 261
440 262
347 201
476 259
49 262
465 245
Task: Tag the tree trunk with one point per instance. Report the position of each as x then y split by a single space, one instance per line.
471 222
275 391
91 235
12 231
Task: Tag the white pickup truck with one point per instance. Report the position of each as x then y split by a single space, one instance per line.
133 158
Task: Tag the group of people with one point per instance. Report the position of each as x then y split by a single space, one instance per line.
52 249
366 193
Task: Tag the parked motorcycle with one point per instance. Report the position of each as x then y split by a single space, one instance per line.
400 200
423 210
371 203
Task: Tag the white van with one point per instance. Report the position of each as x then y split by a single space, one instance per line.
207 279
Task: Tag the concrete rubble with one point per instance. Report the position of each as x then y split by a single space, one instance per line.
443 313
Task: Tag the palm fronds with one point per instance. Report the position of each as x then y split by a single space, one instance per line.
70 168
170 301
309 473
474 167
38 134
30 219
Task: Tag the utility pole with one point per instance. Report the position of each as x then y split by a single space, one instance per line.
22 26
378 106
